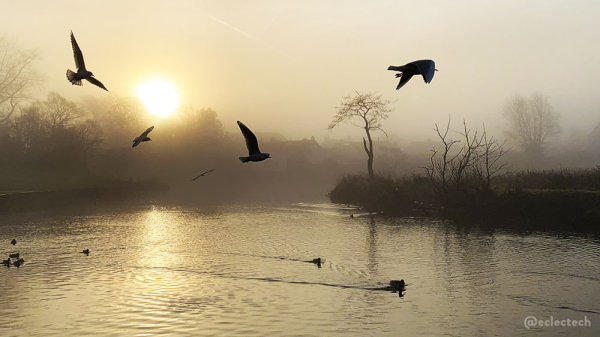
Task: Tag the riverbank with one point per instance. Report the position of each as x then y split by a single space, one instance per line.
114 191
511 204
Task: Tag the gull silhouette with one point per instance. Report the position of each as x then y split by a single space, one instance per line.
143 137
423 67
202 175
81 74
254 153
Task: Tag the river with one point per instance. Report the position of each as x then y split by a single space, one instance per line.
245 270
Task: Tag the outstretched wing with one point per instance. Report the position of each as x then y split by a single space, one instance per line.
426 68
404 79
145 133
77 54
96 83
202 175
251 141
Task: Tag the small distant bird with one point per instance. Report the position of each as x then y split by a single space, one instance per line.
81 74
143 137
254 153
202 175
86 251
14 242
317 261
423 67
17 263
14 256
6 262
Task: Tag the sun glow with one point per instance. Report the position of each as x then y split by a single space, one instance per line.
159 96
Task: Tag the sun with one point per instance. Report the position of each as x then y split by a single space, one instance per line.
159 96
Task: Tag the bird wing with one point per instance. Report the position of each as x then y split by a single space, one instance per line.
79 63
251 141
404 79
202 175
426 68
145 133
96 83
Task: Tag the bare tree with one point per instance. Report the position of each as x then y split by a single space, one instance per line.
58 112
16 77
365 111
531 122
455 173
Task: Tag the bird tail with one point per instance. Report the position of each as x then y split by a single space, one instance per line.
394 68
71 78
244 159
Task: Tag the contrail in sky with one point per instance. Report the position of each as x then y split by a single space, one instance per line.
252 37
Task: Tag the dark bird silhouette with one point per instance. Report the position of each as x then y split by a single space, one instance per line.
17 263
6 262
423 67
86 252
202 175
14 256
143 137
316 261
81 74
14 242
254 153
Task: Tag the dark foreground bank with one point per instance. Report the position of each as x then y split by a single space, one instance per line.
516 205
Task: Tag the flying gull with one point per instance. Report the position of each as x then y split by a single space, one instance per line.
81 74
202 175
254 153
423 67
143 137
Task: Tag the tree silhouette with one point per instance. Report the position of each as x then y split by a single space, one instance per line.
16 77
531 122
365 111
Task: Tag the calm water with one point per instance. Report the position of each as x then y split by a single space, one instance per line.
239 271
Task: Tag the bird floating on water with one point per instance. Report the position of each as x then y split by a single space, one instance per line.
143 137
14 256
423 67
254 153
86 251
14 242
82 73
202 175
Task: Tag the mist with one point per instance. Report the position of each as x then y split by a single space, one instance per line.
283 67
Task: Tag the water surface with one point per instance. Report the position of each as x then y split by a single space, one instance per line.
240 270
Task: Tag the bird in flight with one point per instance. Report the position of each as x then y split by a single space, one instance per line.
423 67
202 175
143 137
254 153
81 74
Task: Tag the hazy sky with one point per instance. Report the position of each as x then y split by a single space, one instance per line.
283 65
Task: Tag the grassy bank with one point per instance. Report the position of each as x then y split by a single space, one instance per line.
558 200
113 191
